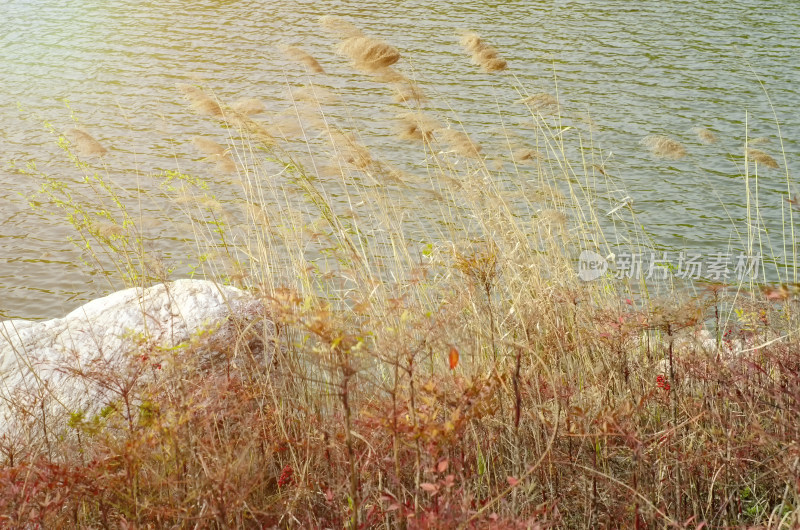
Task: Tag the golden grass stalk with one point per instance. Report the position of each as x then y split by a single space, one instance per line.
664 146
85 144
483 55
306 59
762 158
705 136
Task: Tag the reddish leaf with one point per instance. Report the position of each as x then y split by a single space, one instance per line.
453 358
442 466
430 488
512 481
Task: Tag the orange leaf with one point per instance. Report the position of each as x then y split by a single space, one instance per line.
453 358
441 467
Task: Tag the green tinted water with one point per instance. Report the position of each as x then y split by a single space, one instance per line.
638 68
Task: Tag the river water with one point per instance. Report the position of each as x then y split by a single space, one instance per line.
637 68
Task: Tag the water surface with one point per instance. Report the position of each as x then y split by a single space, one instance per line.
638 68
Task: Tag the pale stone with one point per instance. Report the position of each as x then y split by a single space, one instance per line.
53 368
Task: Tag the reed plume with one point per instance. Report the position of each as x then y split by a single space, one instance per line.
216 153
461 143
483 55
315 94
301 56
223 163
705 136
525 154
239 117
350 151
664 146
190 92
109 230
417 126
208 146
369 54
339 27
542 103
409 93
257 130
249 106
256 213
553 217
762 158
389 75
288 126
199 101
85 144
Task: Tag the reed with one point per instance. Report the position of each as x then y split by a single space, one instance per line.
705 136
483 55
760 157
86 145
298 54
664 147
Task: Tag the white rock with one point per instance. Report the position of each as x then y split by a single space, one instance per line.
53 368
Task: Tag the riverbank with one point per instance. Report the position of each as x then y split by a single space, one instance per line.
486 359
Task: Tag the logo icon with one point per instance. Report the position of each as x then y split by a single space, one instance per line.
591 265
